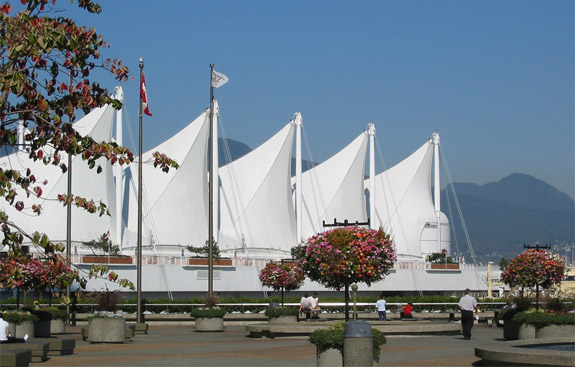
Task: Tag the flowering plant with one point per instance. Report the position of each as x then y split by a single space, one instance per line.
278 276
534 267
106 315
344 256
33 274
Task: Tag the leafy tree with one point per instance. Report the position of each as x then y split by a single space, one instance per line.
103 245
503 264
533 268
45 68
205 250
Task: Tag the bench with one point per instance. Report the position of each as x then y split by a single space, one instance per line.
39 350
14 358
58 346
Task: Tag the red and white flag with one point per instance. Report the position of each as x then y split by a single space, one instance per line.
144 96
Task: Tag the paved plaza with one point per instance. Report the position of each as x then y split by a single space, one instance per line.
179 345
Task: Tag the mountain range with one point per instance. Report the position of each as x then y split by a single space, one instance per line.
500 217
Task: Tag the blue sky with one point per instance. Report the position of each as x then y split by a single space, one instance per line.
494 77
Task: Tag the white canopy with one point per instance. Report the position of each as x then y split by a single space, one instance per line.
404 205
175 204
85 183
334 189
256 209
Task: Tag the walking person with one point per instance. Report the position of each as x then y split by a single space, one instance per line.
380 305
467 304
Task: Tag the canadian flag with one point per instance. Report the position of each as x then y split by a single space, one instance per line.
144 96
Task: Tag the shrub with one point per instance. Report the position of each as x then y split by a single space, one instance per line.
57 314
208 313
18 317
276 312
542 319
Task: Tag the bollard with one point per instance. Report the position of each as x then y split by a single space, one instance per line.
357 344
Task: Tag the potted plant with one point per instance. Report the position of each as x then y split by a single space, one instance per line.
107 325
201 255
58 323
282 314
105 252
329 344
546 325
42 325
210 317
21 323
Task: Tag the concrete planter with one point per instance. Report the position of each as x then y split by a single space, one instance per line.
18 331
283 319
42 329
107 330
329 358
515 331
58 326
213 324
554 331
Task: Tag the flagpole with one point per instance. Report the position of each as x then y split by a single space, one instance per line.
211 192
139 247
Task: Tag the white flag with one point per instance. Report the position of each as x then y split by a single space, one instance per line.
218 79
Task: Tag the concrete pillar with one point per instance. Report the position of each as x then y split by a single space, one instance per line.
357 344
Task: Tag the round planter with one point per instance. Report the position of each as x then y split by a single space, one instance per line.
283 320
57 326
554 331
107 330
329 358
18 331
42 329
213 324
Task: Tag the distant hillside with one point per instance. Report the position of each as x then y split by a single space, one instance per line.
502 216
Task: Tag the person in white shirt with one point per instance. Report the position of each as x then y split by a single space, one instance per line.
314 306
305 305
380 305
5 332
467 304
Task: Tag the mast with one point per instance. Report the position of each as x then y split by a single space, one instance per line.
437 190
119 170
211 191
298 174
139 247
216 165
371 132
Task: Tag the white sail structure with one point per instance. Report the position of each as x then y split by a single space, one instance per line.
256 209
404 206
334 189
86 183
176 202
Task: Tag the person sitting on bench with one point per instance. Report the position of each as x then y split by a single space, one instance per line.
305 305
314 306
406 311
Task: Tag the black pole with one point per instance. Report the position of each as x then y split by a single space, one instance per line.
211 191
139 246
346 302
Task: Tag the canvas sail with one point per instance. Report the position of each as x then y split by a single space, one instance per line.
256 210
334 189
85 183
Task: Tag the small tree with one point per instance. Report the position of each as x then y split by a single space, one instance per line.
341 257
279 276
534 268
45 69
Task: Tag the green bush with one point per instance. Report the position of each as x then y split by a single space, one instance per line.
542 319
332 338
276 312
57 314
18 317
208 313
